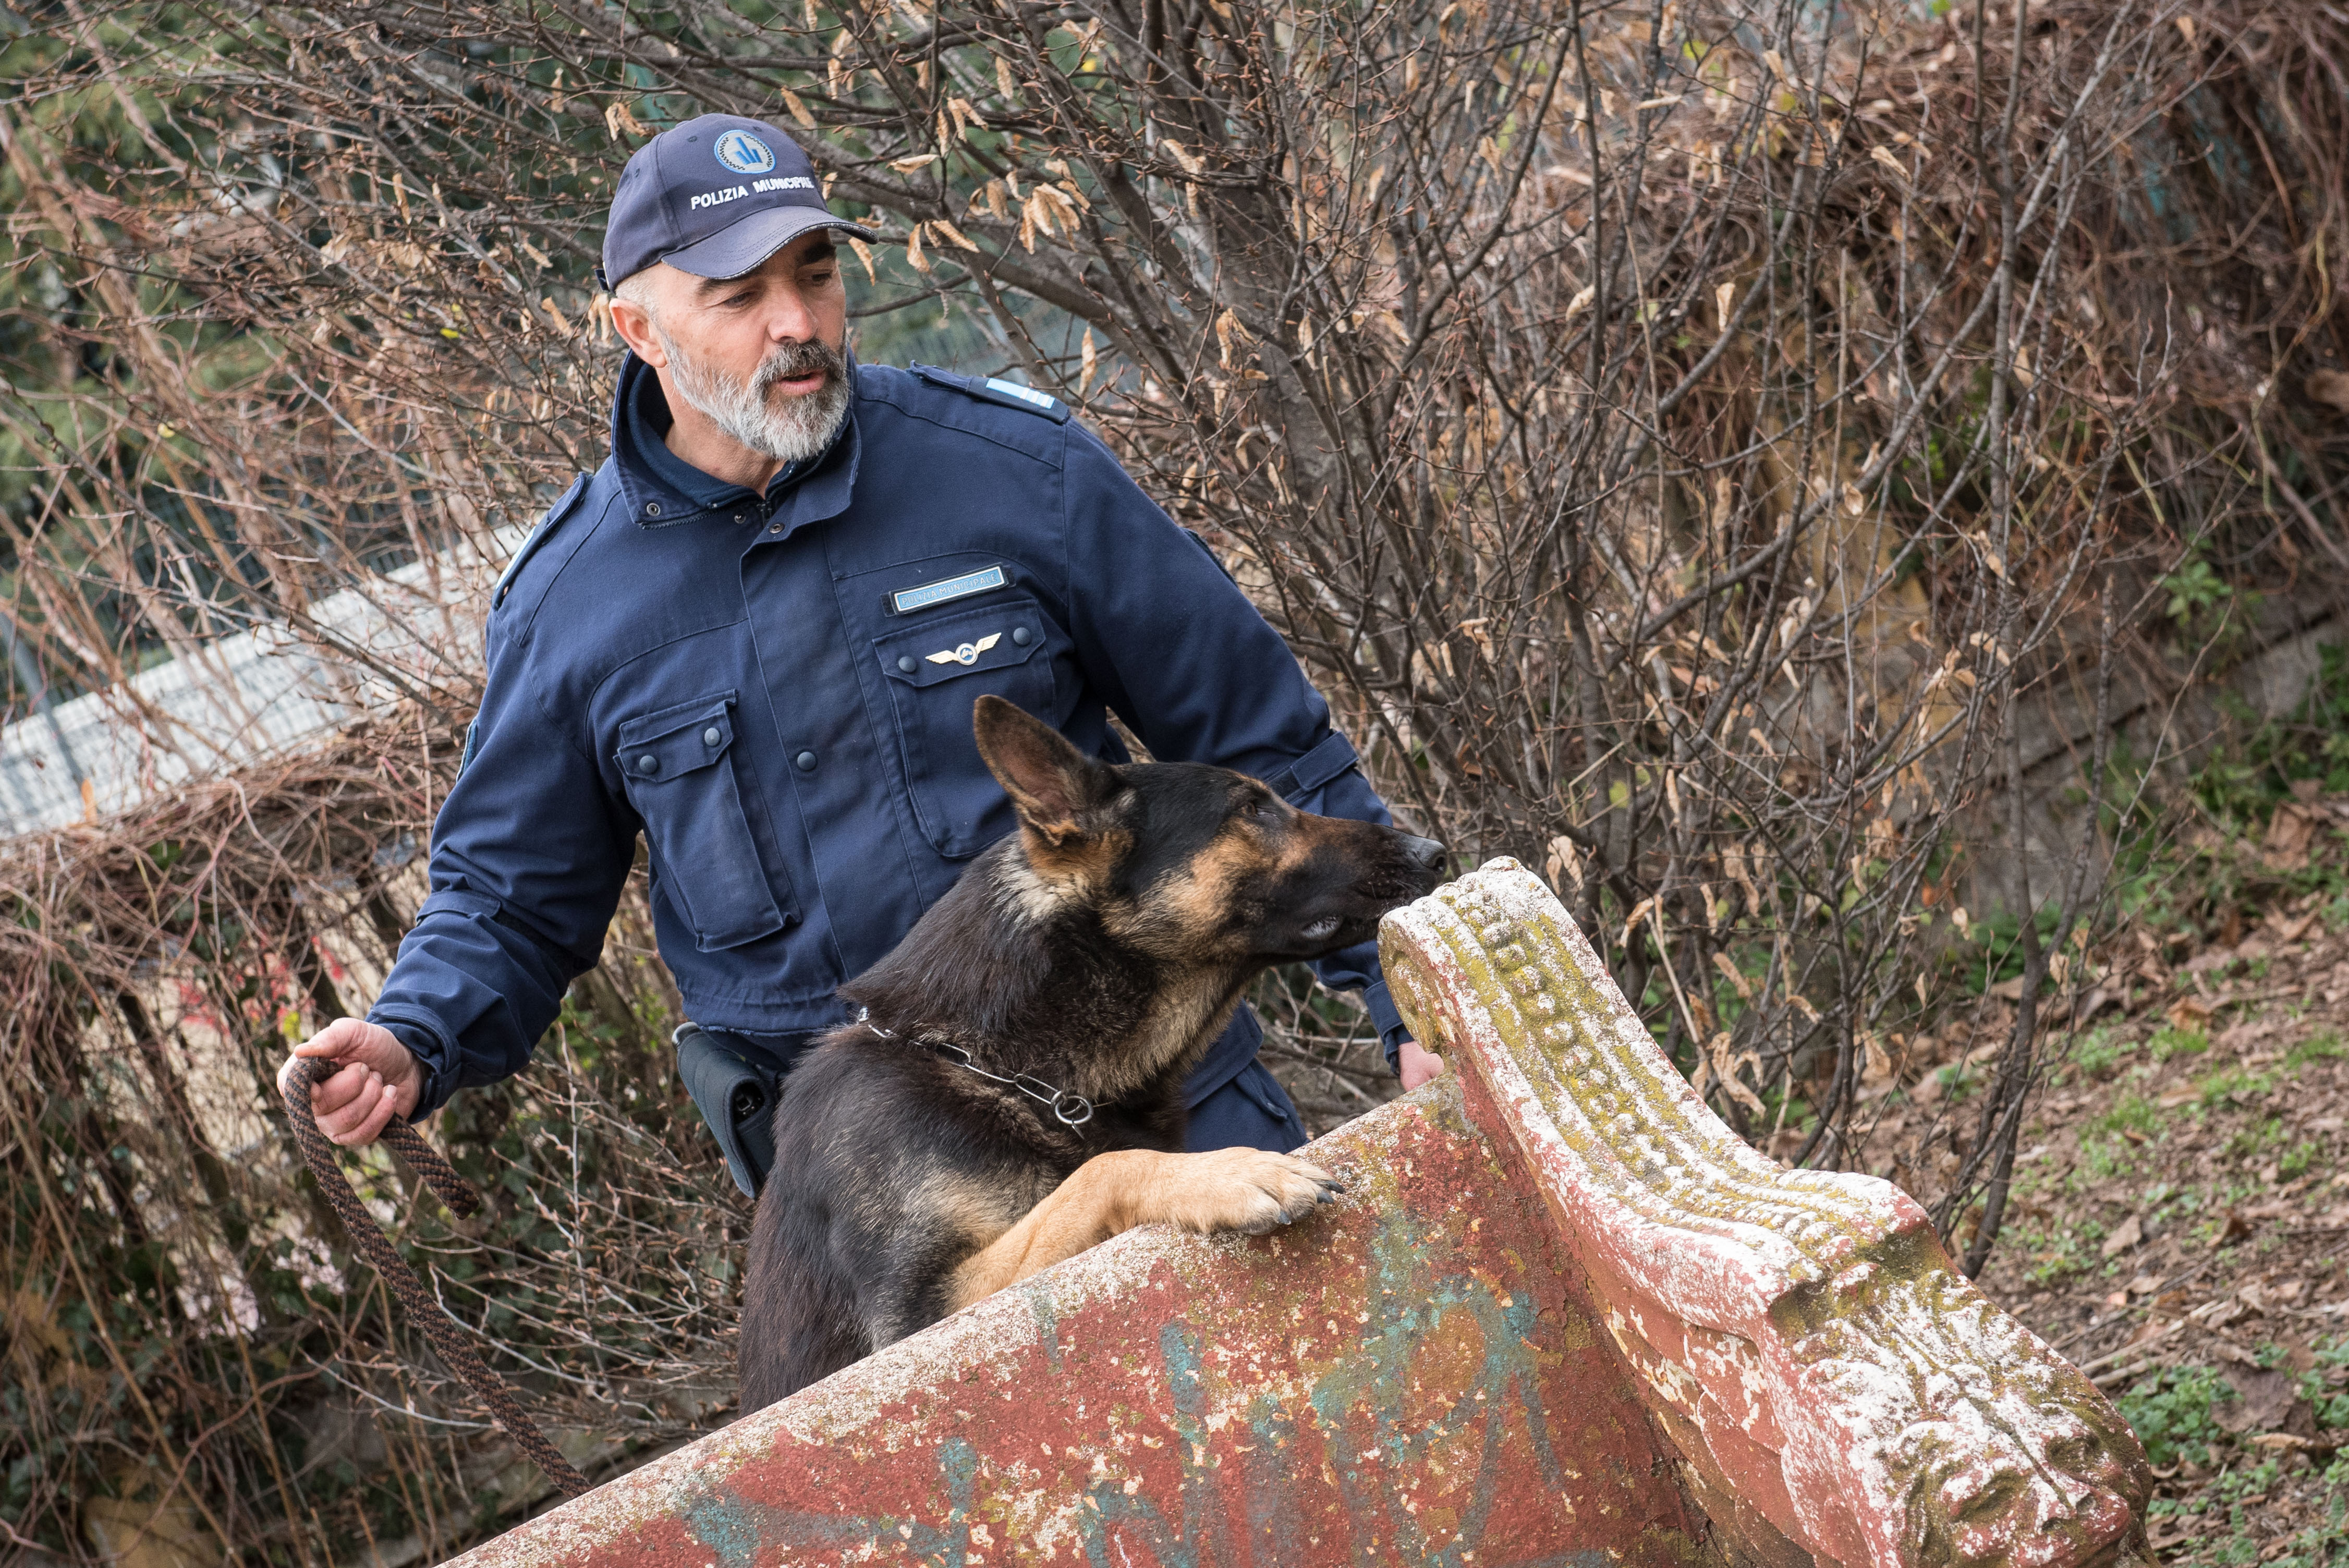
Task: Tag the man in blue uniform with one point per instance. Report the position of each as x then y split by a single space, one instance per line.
755 636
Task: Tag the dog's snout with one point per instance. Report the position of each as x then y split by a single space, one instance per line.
1425 853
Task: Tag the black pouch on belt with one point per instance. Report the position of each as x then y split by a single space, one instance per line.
733 1084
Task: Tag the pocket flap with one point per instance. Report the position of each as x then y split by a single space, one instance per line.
978 640
677 741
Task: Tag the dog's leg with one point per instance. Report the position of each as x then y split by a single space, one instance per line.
1229 1189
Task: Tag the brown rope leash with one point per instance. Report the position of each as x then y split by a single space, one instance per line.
423 1310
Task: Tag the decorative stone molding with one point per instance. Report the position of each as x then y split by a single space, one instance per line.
1839 1393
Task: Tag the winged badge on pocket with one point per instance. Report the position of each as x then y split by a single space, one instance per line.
969 653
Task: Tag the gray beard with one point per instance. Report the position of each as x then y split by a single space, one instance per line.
795 430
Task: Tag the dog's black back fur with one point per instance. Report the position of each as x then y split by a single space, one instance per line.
1100 950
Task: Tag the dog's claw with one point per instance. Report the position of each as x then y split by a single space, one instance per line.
1249 1191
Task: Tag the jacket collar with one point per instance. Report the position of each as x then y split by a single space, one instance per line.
659 488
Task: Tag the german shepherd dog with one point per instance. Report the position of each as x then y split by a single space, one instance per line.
1013 1092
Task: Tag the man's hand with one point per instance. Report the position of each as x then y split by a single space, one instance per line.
380 1079
1417 1064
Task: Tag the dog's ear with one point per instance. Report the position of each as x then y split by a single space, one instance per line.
1051 783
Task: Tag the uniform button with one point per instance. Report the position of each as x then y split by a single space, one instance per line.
1019 637
905 662
738 517
648 763
652 508
774 527
804 761
710 736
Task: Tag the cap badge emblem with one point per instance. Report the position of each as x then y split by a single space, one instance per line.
744 153
969 653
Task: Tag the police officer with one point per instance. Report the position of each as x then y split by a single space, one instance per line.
755 635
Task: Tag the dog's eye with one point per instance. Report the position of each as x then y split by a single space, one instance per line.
1264 811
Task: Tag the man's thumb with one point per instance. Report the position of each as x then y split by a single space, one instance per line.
331 1041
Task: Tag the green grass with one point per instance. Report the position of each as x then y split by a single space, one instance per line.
2171 1411
2102 1159
2243 1488
2058 1255
2105 1146
2132 1113
2231 1089
2100 1052
2249 1143
2325 1045
1958 1081
2173 1041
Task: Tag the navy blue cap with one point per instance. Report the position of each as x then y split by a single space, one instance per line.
716 197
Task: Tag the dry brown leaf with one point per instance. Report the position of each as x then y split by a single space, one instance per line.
618 116
2330 388
1732 973
2288 835
148 1534
2266 1400
2129 1232
1878 1069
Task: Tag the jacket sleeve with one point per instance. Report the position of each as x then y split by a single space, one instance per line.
529 854
1171 643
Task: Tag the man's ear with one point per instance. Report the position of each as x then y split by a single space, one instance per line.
1049 782
636 329
634 321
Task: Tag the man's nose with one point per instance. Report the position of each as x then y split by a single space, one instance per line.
790 317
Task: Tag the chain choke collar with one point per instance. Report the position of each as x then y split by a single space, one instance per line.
1071 1109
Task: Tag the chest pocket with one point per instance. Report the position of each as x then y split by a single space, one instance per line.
937 668
681 778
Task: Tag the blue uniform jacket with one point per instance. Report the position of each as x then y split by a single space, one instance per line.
776 690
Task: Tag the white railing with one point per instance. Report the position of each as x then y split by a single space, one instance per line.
272 691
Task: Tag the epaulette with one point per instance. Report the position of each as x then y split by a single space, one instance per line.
995 389
564 505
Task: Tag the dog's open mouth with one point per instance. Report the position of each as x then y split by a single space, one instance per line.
1315 930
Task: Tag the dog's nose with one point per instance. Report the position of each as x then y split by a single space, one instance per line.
1425 853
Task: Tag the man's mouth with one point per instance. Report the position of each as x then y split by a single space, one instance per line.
802 372
801 385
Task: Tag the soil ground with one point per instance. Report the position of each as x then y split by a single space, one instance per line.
2180 1221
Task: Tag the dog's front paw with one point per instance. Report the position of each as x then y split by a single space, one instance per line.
1245 1190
